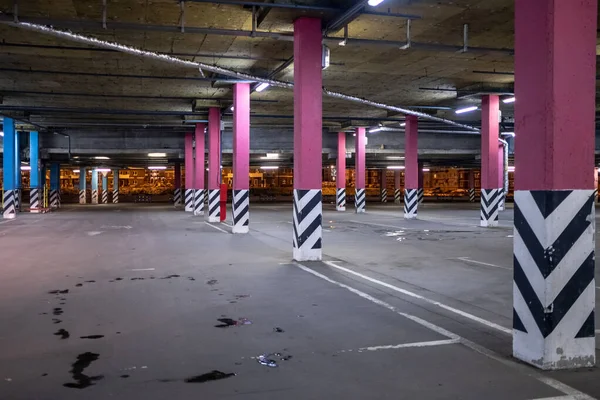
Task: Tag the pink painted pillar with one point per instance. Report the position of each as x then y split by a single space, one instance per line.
360 170
214 164
411 167
308 140
241 158
397 186
490 184
555 87
199 191
340 203
189 172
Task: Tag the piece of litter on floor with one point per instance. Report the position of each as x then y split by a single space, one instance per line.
511 236
278 330
267 362
144 367
8 379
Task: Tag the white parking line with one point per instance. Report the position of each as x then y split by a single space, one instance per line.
408 345
468 260
143 269
561 387
418 296
216 227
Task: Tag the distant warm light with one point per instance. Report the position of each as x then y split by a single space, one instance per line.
374 3
509 100
101 158
396 167
25 168
157 167
75 171
158 155
395 158
262 87
269 167
232 108
465 110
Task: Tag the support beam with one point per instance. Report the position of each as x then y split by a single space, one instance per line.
8 163
35 194
214 164
94 186
360 171
199 188
340 202
490 182
177 193
189 171
104 198
241 158
411 171
554 287
421 190
115 191
18 174
308 141
82 185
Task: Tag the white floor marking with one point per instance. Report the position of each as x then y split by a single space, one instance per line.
526 370
143 269
7 220
216 227
94 233
468 260
382 225
418 296
226 224
576 397
408 345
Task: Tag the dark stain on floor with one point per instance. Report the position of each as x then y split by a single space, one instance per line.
59 291
79 284
57 311
137 279
91 337
212 282
64 334
83 381
208 377
56 320
171 276
125 376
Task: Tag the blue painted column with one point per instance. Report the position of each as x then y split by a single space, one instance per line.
82 185
9 210
115 192
94 186
35 192
18 171
104 188
54 185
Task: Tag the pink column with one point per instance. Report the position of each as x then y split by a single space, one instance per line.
340 203
189 172
308 140
411 170
241 158
555 88
490 185
360 170
199 191
214 164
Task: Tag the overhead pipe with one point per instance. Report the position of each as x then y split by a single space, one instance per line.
219 70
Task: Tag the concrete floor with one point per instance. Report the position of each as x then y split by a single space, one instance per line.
398 310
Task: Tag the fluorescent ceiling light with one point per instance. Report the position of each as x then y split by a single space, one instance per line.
374 3
232 108
158 167
396 167
509 100
157 154
395 158
103 170
403 124
425 169
1 133
101 158
271 156
25 168
508 134
374 130
466 110
262 87
511 169
269 167
75 171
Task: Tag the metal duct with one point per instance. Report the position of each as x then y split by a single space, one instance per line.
212 68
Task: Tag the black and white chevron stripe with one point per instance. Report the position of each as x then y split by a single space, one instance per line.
490 199
241 211
384 195
94 196
10 210
82 197
199 201
214 208
54 199
104 196
472 195
177 198
554 286
115 197
34 200
189 200
308 220
411 203
397 196
340 199
421 194
360 200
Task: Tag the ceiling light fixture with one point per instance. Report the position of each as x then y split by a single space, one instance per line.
395 158
75 171
396 167
374 3
403 124
509 100
511 169
262 87
375 130
465 110
1 133
157 155
103 170
101 158
508 134
161 167
25 168
269 167
425 169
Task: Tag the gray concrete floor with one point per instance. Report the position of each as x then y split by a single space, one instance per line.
398 309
